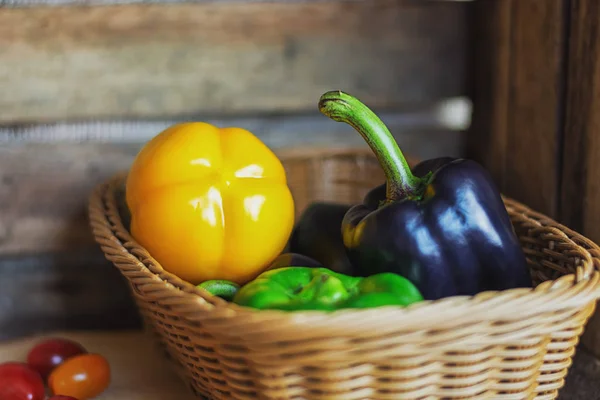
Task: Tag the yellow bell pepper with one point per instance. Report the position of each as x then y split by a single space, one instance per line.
209 203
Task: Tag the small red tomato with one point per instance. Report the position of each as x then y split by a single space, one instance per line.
50 353
84 377
19 382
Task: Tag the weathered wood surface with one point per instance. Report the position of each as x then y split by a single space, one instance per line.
52 273
491 48
22 3
44 187
139 370
79 289
142 60
446 120
44 190
580 193
517 96
535 119
580 189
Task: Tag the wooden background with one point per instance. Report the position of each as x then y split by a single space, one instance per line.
86 83
536 92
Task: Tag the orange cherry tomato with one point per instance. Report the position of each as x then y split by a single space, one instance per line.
84 377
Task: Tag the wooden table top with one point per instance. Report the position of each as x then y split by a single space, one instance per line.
139 371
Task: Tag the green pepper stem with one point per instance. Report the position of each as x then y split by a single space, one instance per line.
400 182
220 288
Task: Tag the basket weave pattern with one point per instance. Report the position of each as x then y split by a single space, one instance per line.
516 344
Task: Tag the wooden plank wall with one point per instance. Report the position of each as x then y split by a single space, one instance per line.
535 121
85 84
517 95
580 173
164 60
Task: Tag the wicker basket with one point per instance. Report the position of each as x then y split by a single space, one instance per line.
516 344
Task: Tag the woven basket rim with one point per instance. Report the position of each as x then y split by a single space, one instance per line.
571 291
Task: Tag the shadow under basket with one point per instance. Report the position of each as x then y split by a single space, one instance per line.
513 344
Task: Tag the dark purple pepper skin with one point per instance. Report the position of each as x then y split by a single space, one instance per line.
456 240
442 224
318 235
294 259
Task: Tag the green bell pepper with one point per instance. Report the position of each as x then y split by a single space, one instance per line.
304 288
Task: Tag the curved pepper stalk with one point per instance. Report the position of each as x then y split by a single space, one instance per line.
442 225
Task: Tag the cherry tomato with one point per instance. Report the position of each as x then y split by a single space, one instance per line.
50 353
19 382
84 376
